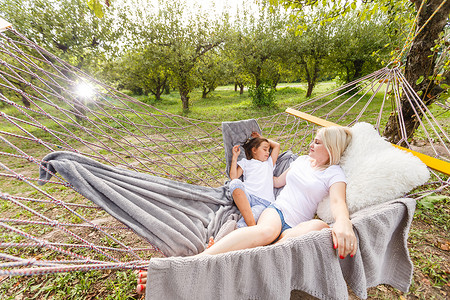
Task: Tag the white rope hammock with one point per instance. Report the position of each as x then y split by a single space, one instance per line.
52 228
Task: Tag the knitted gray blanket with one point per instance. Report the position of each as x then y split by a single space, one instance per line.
308 263
177 218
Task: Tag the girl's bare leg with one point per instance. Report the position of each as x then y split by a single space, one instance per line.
265 232
243 205
302 228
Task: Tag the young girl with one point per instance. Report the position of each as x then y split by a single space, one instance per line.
256 192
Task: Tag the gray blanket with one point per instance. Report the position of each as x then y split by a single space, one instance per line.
308 263
178 218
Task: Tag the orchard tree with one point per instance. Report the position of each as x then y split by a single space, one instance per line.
213 70
309 50
68 29
259 42
239 74
184 40
145 71
354 43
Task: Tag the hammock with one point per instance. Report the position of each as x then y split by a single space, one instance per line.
53 228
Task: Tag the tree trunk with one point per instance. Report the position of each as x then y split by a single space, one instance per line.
241 89
275 81
25 101
420 62
357 65
204 93
185 101
235 86
310 88
22 87
311 78
184 94
79 110
158 93
167 89
258 80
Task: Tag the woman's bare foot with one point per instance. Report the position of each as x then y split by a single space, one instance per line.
141 282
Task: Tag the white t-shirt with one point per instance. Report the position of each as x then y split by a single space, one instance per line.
258 177
305 188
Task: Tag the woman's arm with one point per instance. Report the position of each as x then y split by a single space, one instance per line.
280 181
235 170
344 238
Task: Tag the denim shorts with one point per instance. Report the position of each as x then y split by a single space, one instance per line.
257 204
284 225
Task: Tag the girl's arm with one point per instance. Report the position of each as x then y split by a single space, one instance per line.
280 181
344 238
235 170
275 150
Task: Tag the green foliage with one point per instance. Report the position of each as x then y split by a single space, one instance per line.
96 6
257 46
433 207
160 47
68 29
359 47
143 71
212 70
262 95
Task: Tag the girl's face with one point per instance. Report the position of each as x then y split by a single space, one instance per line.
318 152
262 152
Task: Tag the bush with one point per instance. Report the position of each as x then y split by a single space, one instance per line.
290 90
263 95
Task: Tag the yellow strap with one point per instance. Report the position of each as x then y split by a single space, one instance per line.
433 163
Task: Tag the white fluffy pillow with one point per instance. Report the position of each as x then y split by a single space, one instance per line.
376 171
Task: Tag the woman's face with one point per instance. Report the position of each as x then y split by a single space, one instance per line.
318 152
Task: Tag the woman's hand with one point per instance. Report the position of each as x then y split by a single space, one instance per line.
344 238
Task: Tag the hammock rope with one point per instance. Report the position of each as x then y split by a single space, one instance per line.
52 228
412 37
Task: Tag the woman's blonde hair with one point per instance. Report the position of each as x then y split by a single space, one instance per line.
335 139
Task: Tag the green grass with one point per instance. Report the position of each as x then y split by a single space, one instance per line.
74 285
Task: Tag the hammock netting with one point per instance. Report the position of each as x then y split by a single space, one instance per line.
52 228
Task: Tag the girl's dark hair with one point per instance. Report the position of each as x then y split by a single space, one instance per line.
252 143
